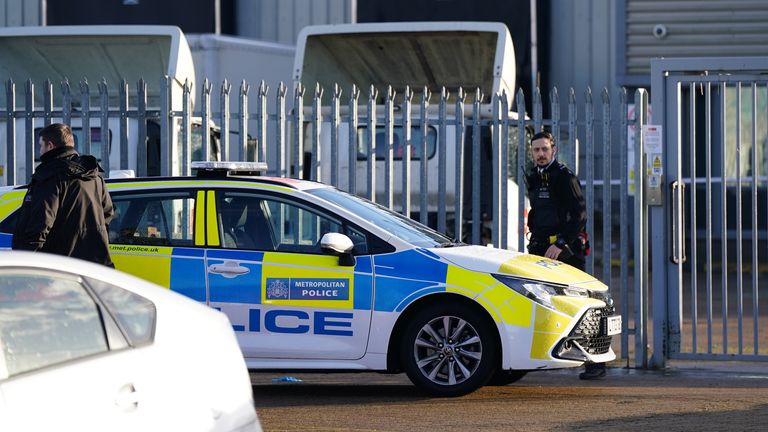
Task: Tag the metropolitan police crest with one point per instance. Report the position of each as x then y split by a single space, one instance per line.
277 289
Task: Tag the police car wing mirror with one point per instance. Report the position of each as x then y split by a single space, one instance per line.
340 245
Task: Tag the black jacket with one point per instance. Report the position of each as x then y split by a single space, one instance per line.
557 203
66 209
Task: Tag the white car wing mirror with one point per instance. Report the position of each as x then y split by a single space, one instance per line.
340 245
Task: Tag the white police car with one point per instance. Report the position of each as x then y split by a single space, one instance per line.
313 278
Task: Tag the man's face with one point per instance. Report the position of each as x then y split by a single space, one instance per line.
44 146
542 152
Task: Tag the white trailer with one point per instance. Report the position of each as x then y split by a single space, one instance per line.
467 55
236 59
94 53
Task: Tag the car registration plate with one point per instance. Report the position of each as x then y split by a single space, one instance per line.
612 325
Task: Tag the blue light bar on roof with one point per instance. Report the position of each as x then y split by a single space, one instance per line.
207 168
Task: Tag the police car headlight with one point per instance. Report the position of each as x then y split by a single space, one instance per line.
604 296
541 292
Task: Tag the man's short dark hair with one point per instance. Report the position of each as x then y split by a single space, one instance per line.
544 134
59 134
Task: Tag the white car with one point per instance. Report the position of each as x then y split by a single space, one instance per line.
87 348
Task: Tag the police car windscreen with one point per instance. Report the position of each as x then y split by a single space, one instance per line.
394 223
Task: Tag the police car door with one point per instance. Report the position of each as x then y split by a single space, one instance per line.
284 296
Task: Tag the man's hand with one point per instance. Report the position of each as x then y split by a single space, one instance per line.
553 252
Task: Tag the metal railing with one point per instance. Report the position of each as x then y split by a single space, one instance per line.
466 125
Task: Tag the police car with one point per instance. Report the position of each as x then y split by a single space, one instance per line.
313 278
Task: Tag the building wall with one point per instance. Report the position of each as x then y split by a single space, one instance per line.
15 13
687 28
582 46
281 20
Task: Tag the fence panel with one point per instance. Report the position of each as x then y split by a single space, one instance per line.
469 155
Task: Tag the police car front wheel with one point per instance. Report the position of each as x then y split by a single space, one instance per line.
448 350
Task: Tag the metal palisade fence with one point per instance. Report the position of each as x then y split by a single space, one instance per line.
474 146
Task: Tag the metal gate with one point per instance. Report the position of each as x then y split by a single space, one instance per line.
708 208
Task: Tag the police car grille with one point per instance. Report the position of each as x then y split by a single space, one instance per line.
587 332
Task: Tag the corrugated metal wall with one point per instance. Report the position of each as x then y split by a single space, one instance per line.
15 13
281 20
692 28
581 55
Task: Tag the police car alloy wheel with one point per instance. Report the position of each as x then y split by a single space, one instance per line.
448 350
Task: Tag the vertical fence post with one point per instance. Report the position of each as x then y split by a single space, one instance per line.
724 100
739 234
261 124
10 132
297 168
624 223
442 171
66 102
641 240
166 120
224 119
590 162
106 138
407 148
607 187
85 106
371 133
521 162
242 117
123 124
205 135
709 209
352 130
186 132
496 169
573 141
505 171
538 116
141 149
317 121
389 115
280 147
47 102
29 131
477 218
423 162
755 271
554 101
459 185
692 138
335 122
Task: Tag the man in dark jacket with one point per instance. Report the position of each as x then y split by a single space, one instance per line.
67 207
558 215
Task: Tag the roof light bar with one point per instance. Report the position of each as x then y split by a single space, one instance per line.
225 168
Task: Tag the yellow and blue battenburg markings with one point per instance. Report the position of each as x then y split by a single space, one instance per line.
306 280
402 277
292 280
5 240
152 263
188 272
9 202
178 268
